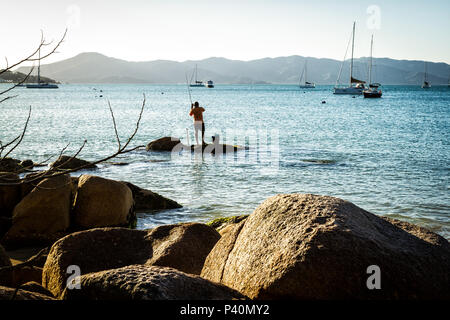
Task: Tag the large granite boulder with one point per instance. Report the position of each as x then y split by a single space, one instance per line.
67 162
43 215
15 276
146 200
299 246
163 144
11 294
182 246
142 282
9 194
35 287
101 202
10 165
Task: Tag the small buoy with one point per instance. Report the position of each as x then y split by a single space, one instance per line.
101 96
353 97
101 90
162 92
324 101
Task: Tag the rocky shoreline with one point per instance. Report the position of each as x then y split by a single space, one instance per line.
293 246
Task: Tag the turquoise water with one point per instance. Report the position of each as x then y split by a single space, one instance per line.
390 156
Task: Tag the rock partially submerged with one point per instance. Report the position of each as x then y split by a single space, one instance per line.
163 144
172 144
10 165
146 200
143 282
67 162
317 247
182 246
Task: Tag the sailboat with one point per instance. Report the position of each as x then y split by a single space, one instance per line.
39 84
356 86
197 83
372 91
306 84
426 84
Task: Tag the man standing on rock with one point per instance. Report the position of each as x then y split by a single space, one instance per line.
197 112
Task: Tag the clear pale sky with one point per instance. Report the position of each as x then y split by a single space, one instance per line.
141 30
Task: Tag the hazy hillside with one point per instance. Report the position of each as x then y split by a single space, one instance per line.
96 68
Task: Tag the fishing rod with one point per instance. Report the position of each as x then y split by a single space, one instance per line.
190 99
189 90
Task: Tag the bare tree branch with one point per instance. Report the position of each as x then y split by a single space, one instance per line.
57 170
19 83
114 123
30 58
21 136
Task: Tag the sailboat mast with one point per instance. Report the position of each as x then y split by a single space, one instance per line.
305 71
39 68
353 47
196 73
425 77
370 65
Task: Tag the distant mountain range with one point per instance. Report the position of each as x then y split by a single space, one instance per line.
91 67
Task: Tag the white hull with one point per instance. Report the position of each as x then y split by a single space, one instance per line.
349 90
307 86
426 86
42 86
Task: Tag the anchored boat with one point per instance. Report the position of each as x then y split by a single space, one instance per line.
356 86
39 84
197 83
306 84
372 91
426 84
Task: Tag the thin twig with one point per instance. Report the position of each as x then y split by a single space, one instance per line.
114 123
21 136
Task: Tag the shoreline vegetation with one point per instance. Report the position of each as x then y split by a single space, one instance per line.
293 246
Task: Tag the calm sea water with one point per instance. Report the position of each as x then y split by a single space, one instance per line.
390 156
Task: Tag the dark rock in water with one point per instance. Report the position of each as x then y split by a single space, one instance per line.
146 200
175 145
163 144
181 246
27 164
9 195
299 246
216 148
10 165
11 293
141 282
65 162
